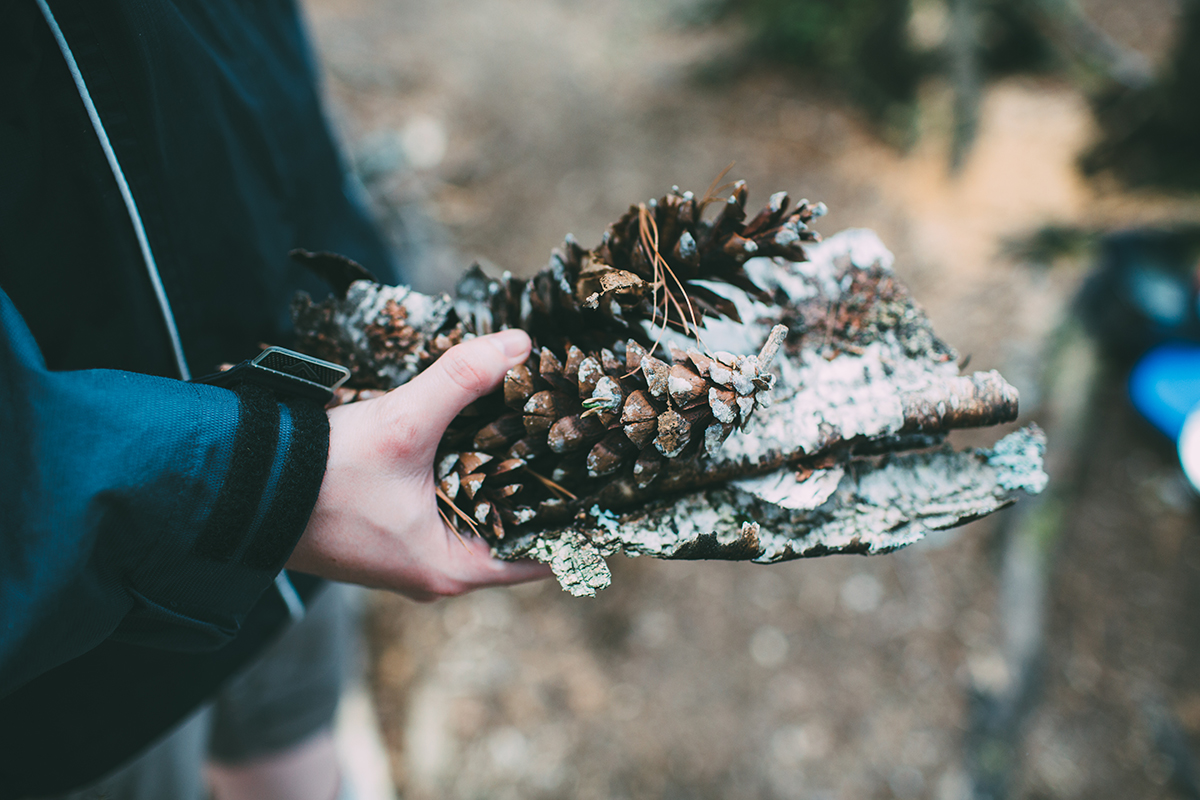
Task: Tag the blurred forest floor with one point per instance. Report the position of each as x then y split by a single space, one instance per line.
487 130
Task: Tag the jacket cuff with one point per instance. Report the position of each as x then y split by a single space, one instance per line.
192 592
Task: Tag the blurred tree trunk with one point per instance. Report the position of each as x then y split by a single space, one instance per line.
1151 135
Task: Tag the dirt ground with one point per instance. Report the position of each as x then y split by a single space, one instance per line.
487 129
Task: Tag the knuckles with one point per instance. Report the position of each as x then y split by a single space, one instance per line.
401 426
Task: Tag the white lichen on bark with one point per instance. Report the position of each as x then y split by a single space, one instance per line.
367 301
873 507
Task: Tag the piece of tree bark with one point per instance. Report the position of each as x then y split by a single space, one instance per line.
867 508
862 379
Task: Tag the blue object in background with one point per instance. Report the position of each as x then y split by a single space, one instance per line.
1165 385
1142 291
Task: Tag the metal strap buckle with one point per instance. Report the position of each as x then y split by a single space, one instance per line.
285 371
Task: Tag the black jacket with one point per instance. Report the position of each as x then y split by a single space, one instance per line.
141 517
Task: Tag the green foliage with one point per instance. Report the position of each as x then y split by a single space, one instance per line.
1151 136
862 47
1053 243
857 46
825 33
1011 40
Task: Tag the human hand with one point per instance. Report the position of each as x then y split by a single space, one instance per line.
376 521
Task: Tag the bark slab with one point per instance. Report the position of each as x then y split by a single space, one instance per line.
848 458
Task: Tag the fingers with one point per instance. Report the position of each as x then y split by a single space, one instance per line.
465 373
475 567
507 573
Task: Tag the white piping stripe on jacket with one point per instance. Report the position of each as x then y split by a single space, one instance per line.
283 585
134 216
290 597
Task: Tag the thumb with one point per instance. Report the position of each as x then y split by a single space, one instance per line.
465 373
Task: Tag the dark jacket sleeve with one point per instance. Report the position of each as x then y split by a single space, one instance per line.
143 508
